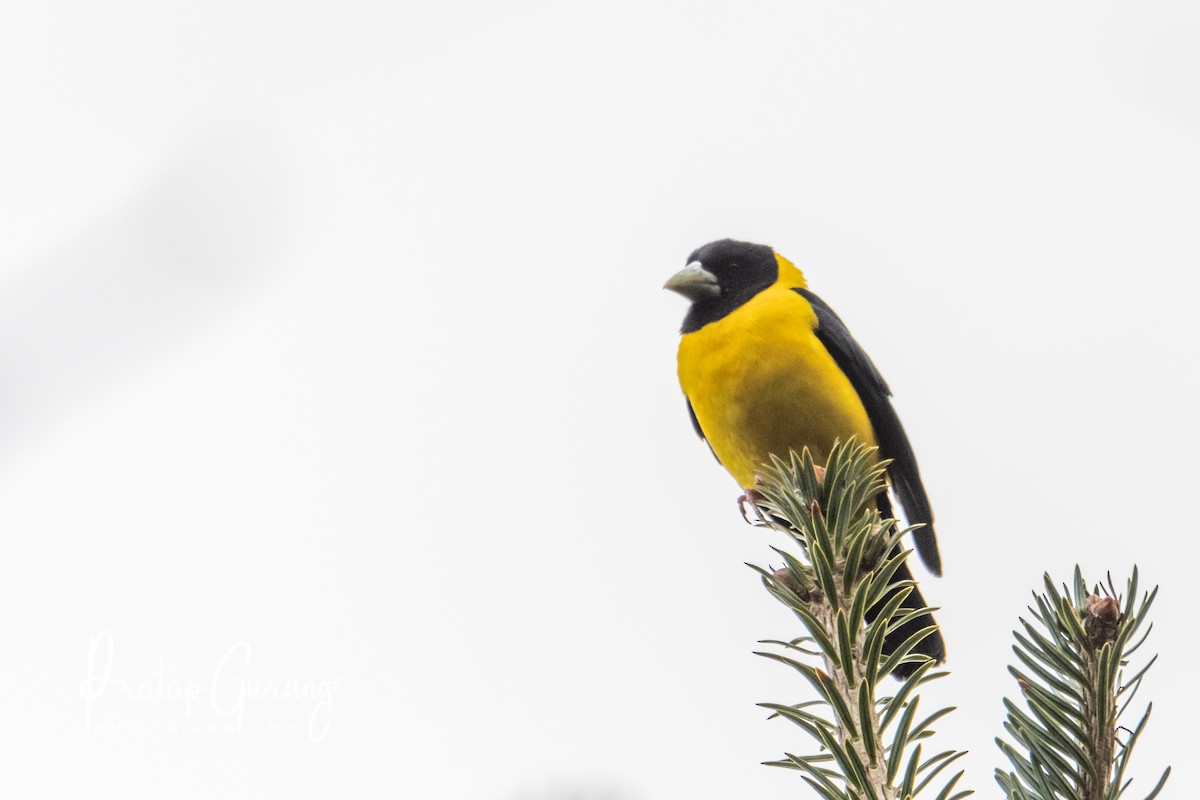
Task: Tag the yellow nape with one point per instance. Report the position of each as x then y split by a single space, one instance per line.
790 275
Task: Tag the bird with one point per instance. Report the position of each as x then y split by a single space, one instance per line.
767 366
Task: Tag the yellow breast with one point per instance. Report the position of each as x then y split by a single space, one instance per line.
761 382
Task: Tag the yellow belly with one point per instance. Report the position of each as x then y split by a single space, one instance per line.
760 382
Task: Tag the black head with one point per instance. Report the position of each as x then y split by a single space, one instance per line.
720 277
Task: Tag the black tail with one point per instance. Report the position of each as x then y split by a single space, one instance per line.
932 645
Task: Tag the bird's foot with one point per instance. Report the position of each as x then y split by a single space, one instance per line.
748 505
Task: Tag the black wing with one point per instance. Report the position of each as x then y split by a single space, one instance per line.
889 433
699 430
695 422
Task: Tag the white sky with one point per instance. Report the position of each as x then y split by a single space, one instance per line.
333 354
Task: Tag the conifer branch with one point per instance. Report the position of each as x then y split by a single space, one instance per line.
869 746
1075 655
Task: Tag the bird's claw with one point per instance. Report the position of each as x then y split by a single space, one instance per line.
748 505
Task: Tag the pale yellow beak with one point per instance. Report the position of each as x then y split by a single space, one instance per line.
694 282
